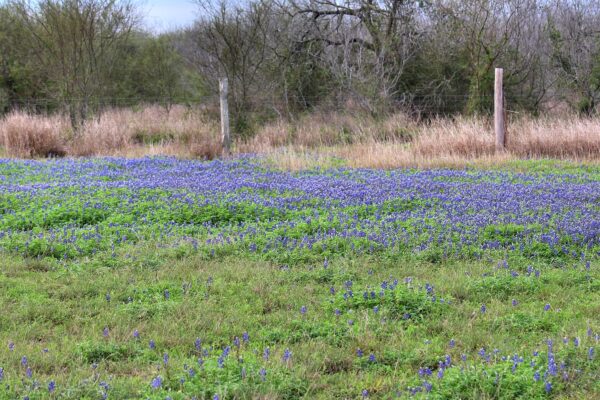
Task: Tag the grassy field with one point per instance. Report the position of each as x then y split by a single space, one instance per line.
158 278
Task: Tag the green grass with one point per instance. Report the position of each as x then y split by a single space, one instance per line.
72 307
47 304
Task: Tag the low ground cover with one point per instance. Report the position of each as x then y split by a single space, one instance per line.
157 278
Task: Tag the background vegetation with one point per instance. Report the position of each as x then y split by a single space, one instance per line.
425 58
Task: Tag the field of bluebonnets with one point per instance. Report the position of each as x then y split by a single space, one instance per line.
174 279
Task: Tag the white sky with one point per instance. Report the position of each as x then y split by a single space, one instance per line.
164 15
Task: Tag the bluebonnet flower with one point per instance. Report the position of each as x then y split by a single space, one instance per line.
165 358
263 374
107 297
483 309
11 346
515 303
350 322
547 307
548 387
29 372
156 383
266 354
591 353
287 354
337 312
51 386
376 309
372 358
24 361
216 397
576 342
536 376
245 337
136 334
427 386
198 344
151 344
452 343
167 294
365 393
105 332
359 353
332 290
236 342
303 310
1 374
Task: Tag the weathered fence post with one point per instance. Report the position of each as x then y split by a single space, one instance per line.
225 139
499 122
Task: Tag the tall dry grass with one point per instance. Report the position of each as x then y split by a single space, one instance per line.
315 139
24 135
151 130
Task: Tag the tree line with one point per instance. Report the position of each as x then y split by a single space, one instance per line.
285 57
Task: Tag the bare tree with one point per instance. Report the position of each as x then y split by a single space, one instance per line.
231 41
574 30
76 43
491 33
367 42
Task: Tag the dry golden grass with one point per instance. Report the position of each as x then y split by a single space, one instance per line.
24 135
150 131
312 140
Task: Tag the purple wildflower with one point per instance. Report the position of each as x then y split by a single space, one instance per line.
287 354
156 383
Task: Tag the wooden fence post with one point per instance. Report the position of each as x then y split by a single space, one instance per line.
225 138
499 122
